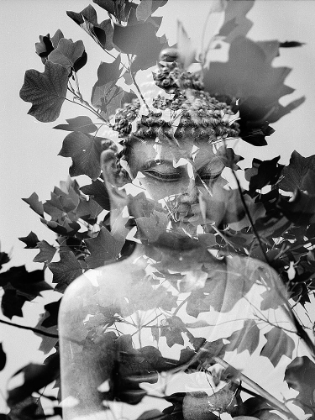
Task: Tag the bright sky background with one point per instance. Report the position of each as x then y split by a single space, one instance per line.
29 149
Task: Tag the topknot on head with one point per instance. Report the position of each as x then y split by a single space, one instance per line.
196 112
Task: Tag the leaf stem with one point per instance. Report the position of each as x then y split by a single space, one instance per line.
136 84
261 391
24 327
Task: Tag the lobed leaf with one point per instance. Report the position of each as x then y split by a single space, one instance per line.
99 193
246 338
67 53
35 204
30 240
46 252
278 344
103 248
46 91
299 174
66 270
83 124
85 151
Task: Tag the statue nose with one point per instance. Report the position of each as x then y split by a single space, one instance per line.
190 195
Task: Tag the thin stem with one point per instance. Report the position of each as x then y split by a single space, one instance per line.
261 391
35 330
136 84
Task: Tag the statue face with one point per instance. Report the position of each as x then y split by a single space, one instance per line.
183 181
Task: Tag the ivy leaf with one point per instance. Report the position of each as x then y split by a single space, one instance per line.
246 338
30 240
278 344
35 204
35 377
102 248
46 252
47 91
3 358
300 375
85 151
12 303
172 330
99 193
83 124
67 53
299 174
66 270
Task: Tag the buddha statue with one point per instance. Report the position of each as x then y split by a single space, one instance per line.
174 329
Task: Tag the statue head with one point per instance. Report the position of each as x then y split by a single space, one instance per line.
174 152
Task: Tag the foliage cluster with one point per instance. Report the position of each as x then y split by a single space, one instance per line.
278 224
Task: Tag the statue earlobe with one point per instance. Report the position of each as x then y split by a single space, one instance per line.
112 178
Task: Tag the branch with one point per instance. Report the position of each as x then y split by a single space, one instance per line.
261 391
35 330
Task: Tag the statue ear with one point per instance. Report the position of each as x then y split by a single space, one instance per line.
112 177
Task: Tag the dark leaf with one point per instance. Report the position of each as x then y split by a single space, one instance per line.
46 252
245 339
299 174
35 378
44 47
99 193
67 53
66 270
278 344
30 240
263 173
258 407
52 310
4 259
300 209
47 91
120 9
108 29
35 204
300 375
89 14
28 409
291 44
65 228
12 303
103 248
3 358
83 124
151 414
172 330
85 151
88 210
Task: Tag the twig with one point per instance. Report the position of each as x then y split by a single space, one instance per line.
24 327
261 391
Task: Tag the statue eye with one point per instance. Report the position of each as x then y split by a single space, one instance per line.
167 176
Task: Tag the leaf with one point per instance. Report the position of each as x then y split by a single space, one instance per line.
66 270
30 240
249 76
3 358
83 124
300 209
108 29
67 53
47 91
107 72
119 9
64 228
299 174
44 47
300 375
151 414
85 151
263 173
246 338
35 377
278 344
35 204
46 252
52 310
172 330
291 44
185 48
144 10
12 303
4 259
99 193
103 248
28 409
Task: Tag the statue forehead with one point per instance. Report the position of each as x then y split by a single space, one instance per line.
197 152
